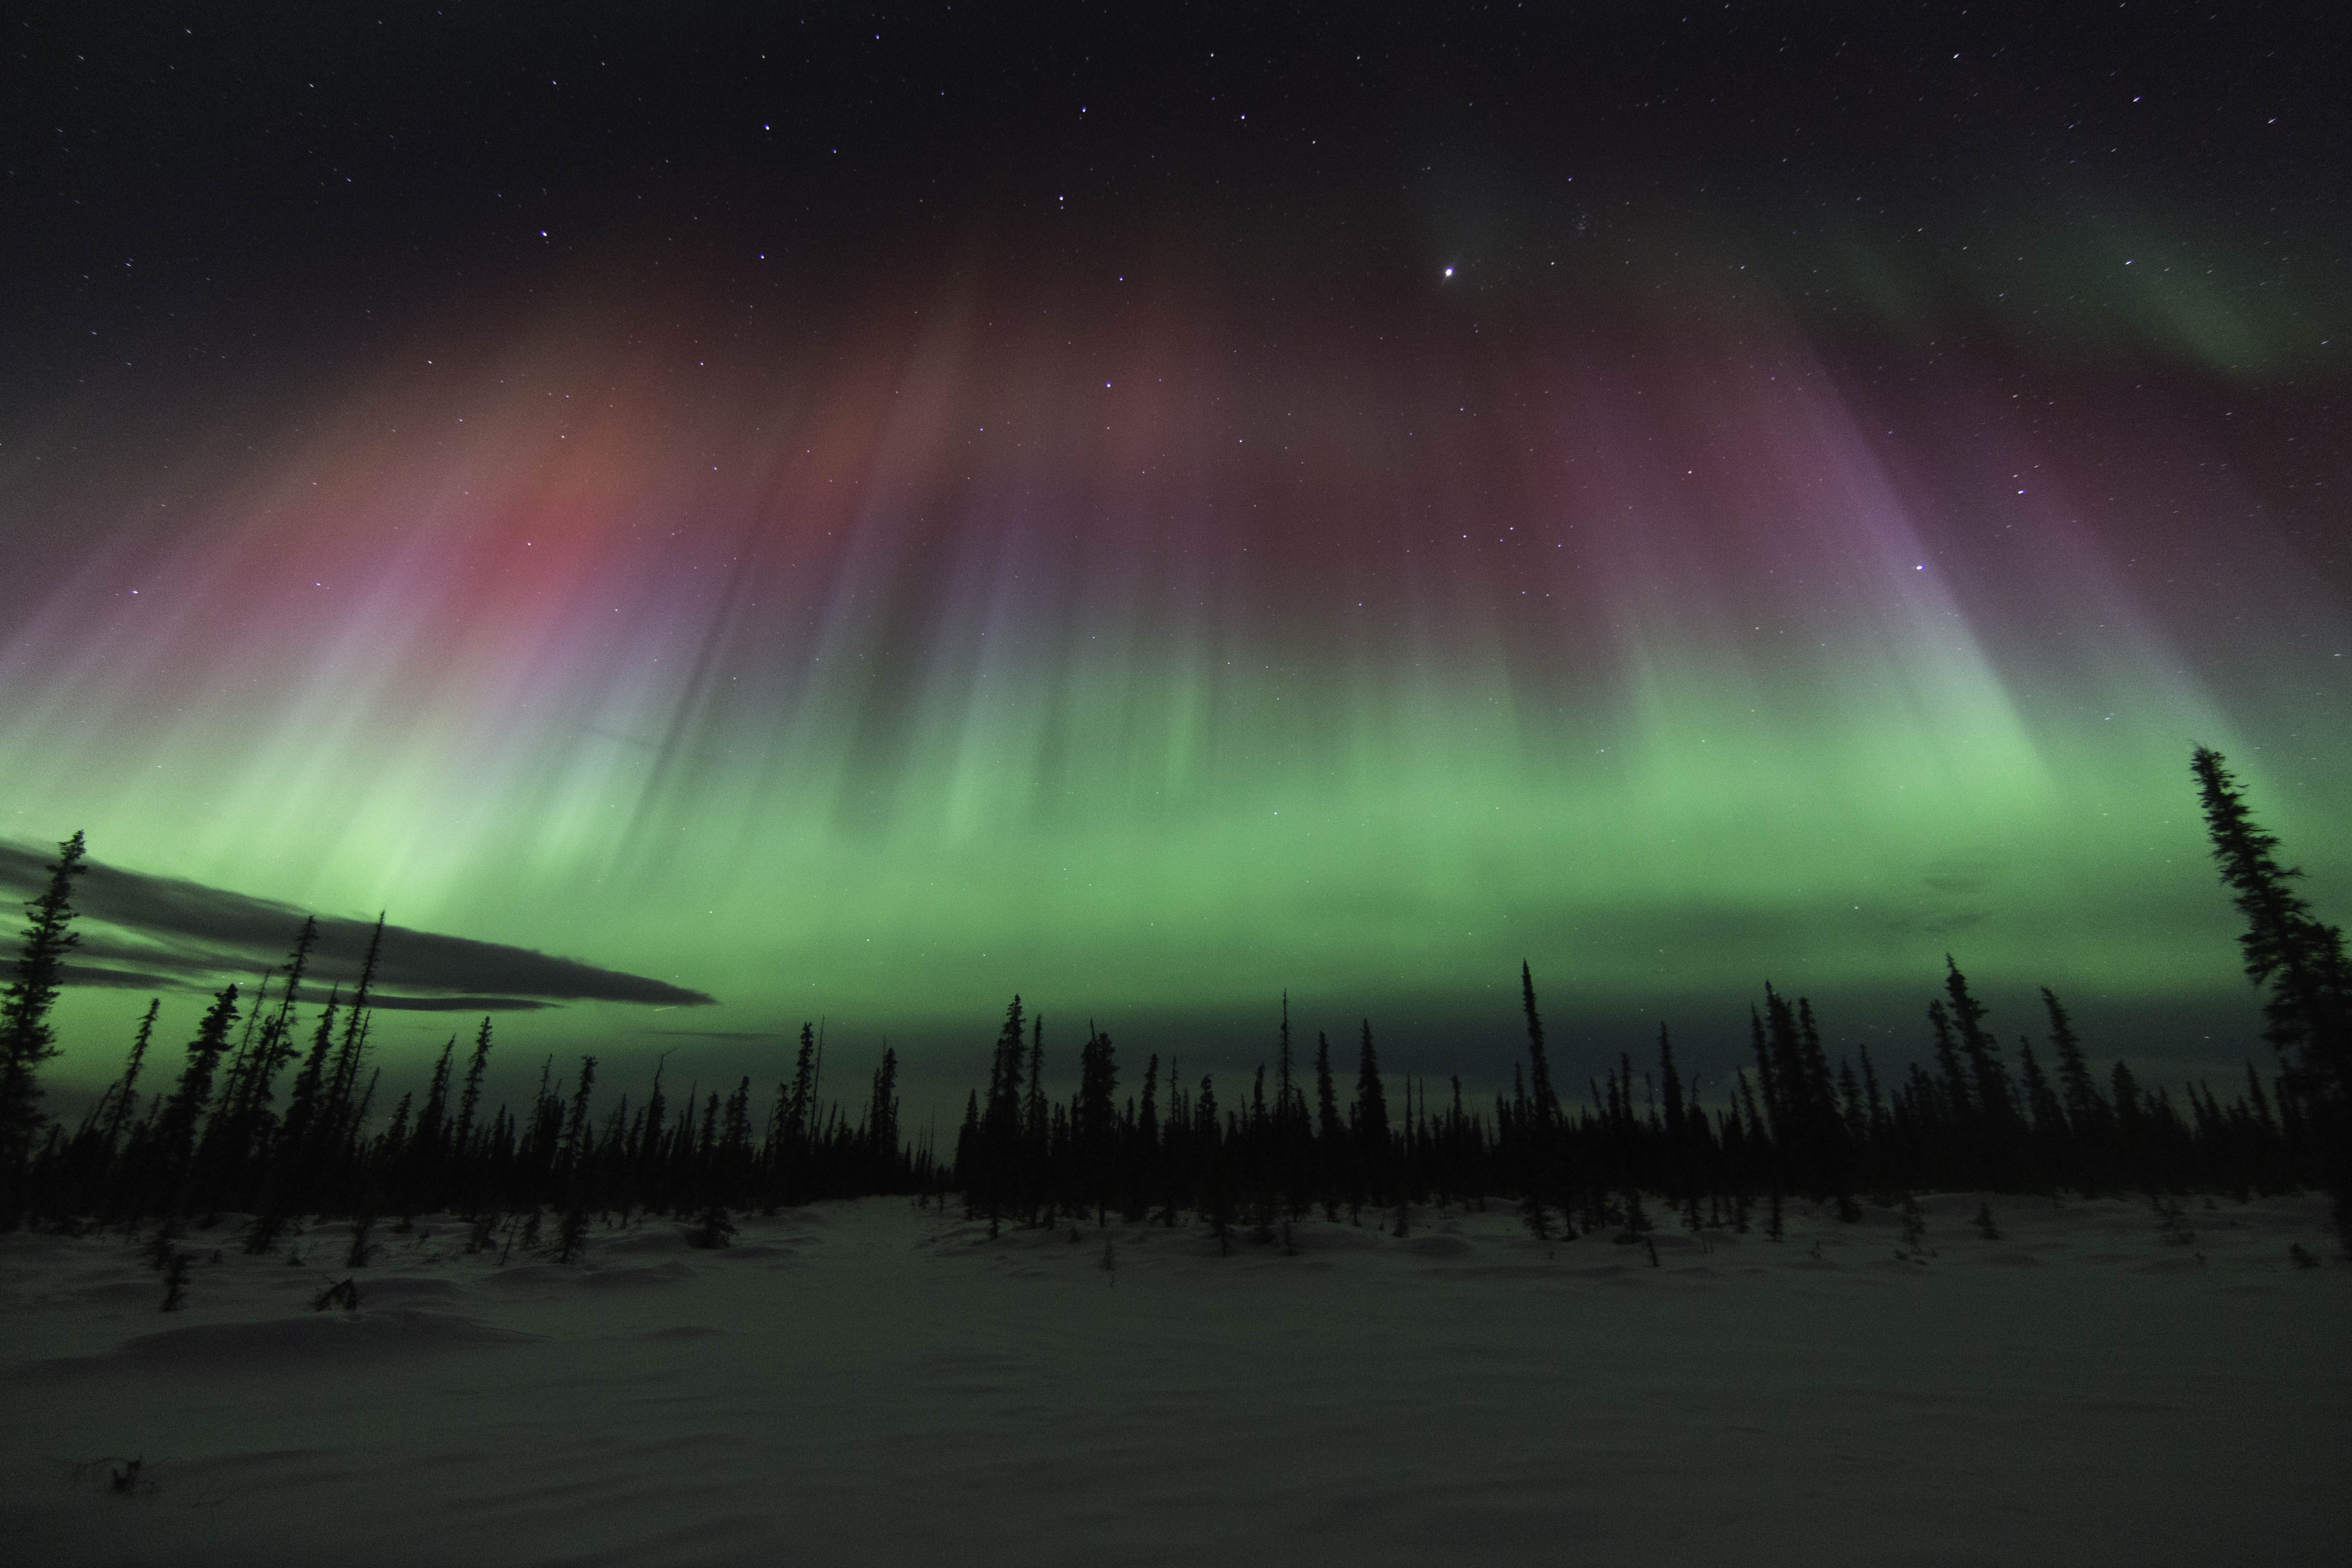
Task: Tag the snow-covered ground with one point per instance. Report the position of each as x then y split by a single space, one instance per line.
867 1383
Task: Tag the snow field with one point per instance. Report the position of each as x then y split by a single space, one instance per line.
867 1382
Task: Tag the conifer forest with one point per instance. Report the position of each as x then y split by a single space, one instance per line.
274 1111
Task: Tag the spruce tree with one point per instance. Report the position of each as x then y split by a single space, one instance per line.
2047 1118
1678 1118
304 1103
575 1130
1146 1115
1000 1151
882 1121
1995 1100
1094 1127
279 1035
244 1118
470 1102
1033 1105
2287 948
1768 1077
175 1127
1950 1077
437 1100
26 1038
126 1093
1372 1116
1546 1103
2085 1111
337 1110
1143 1147
1326 1100
2301 961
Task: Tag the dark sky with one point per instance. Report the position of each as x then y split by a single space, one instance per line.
189 182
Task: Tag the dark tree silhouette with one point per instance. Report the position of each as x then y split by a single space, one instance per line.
26 1038
2301 961
176 1126
124 1095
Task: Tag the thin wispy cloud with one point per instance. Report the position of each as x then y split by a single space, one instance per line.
164 932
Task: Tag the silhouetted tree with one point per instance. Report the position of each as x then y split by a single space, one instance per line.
1371 1132
470 1102
26 1038
2301 961
175 1126
124 1095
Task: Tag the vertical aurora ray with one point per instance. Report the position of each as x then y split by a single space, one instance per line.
1118 644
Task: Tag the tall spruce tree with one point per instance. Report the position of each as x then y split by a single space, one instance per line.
2287 949
124 1098
1371 1130
997 1163
2301 961
1327 1128
882 1116
26 1038
2085 1111
1995 1100
304 1120
244 1117
339 1112
471 1100
175 1127
1095 1125
1545 1103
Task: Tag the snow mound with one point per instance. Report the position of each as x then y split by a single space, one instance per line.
660 1239
272 1341
669 1273
411 1288
117 1293
1335 1239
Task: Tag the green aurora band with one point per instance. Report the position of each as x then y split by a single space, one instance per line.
1153 653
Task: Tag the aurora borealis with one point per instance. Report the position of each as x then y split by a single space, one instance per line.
1153 601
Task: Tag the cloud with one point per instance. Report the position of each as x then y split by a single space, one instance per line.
166 933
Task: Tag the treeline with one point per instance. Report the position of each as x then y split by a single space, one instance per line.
281 1117
1298 1137
222 1138
1799 1126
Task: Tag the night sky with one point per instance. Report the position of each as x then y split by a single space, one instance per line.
854 515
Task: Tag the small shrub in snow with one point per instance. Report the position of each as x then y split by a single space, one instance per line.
161 1250
1914 1247
713 1232
361 1249
176 1282
573 1234
343 1293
